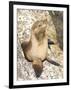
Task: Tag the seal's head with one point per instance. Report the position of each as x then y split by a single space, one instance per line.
39 29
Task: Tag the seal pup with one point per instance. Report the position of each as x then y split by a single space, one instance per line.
35 48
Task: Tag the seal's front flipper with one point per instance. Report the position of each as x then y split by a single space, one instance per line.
38 67
54 63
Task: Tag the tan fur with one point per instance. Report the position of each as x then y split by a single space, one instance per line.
36 48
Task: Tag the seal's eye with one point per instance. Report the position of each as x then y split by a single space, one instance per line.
39 25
